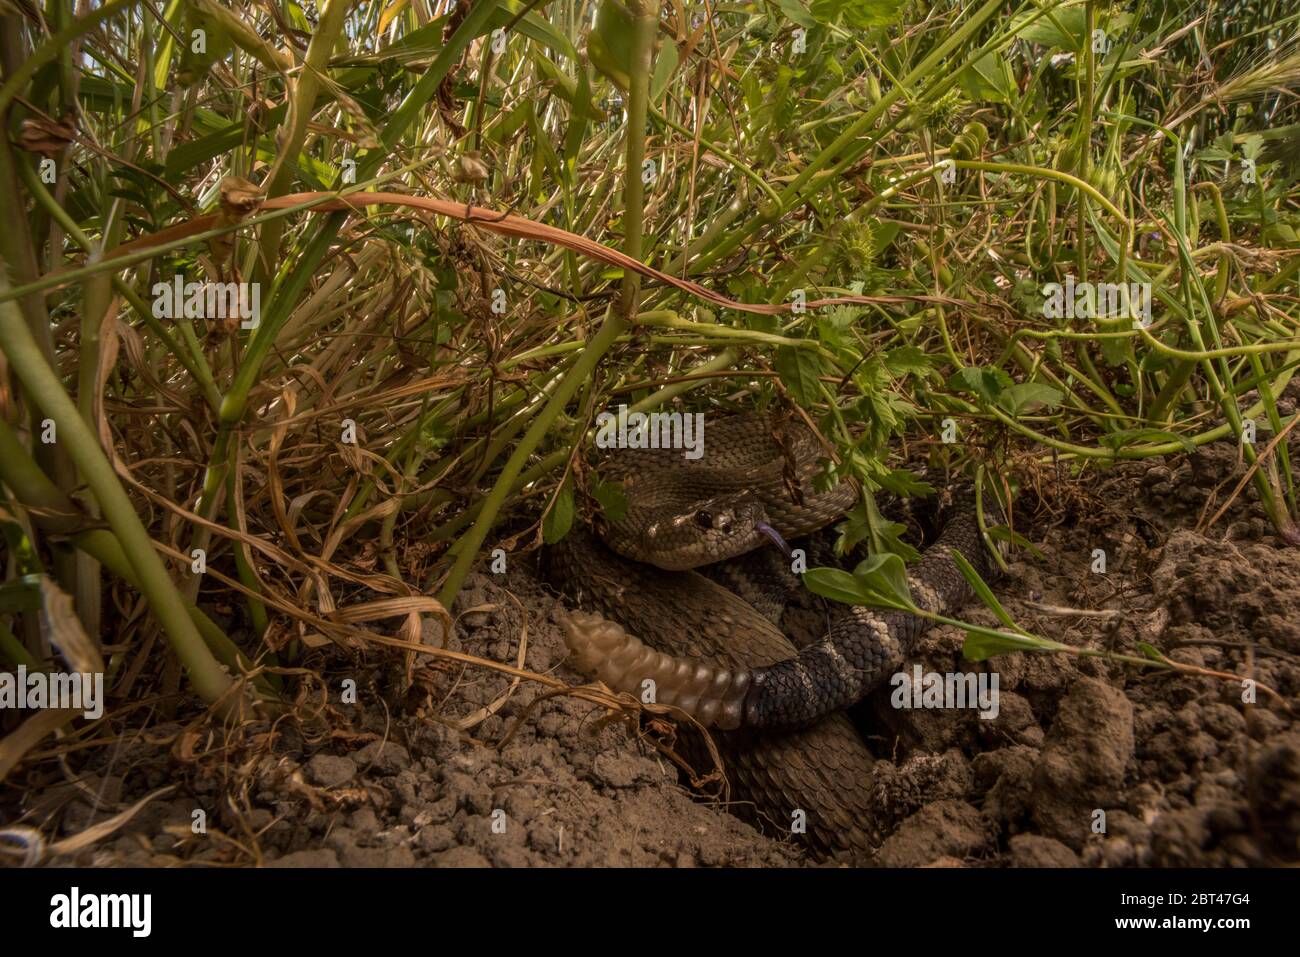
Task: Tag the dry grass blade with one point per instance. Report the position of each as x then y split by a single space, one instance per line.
97 832
65 632
30 733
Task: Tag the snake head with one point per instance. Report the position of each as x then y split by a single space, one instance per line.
708 530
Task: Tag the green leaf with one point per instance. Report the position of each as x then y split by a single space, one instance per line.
799 370
987 80
1063 28
1003 534
26 560
194 66
837 585
418 44
855 529
864 523
862 14
535 28
796 11
984 644
20 594
543 148
559 518
583 112
904 483
1150 651
183 158
665 66
1115 351
981 588
834 329
1027 397
609 45
985 383
885 574
907 360
612 500
880 581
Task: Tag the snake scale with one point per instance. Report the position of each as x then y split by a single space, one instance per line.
646 614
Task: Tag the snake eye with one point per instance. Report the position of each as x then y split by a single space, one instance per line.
704 519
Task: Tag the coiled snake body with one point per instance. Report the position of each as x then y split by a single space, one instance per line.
787 746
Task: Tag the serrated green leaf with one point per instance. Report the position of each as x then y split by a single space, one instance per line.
1063 28
799 370
1027 397
904 483
907 360
987 383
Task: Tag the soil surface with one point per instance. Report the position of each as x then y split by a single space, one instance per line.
1089 762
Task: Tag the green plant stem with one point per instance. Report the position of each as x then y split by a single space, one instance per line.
722 361
646 17
302 103
855 140
189 356
52 48
41 383
55 513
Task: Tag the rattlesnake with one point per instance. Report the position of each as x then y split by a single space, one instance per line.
718 657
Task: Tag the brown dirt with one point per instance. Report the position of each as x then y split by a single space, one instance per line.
1184 771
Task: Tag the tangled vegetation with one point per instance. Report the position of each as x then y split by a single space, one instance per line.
1017 238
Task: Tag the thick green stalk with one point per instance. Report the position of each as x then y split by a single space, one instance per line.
646 19
43 386
301 106
1083 135
54 512
190 356
12 649
467 547
95 303
723 360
